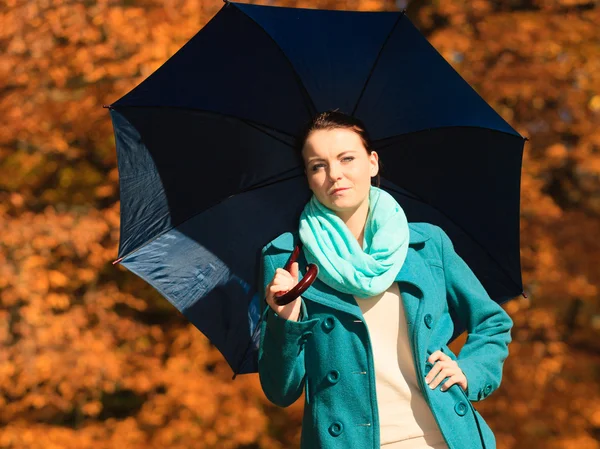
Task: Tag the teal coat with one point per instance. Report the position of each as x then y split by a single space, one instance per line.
328 351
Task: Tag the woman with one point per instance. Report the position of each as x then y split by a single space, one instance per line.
367 341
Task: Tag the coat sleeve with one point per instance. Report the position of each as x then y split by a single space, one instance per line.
488 325
281 350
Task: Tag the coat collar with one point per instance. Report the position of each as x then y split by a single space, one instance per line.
414 272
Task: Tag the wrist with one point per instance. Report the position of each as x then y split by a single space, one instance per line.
291 311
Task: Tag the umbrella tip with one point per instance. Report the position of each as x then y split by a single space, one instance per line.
106 106
524 294
118 260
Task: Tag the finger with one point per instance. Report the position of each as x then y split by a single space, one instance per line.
434 382
282 271
276 288
284 283
448 383
450 372
294 271
435 369
437 355
284 274
438 373
438 380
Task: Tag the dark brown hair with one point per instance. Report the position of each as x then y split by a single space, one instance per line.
334 119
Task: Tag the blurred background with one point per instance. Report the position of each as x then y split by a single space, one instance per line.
93 357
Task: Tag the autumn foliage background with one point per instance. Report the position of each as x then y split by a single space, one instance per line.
93 357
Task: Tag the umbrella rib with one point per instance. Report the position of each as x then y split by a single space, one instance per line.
253 125
275 181
418 198
310 105
395 136
376 61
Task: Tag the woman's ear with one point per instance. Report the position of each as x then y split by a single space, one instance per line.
374 157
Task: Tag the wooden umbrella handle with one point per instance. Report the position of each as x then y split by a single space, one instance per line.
298 289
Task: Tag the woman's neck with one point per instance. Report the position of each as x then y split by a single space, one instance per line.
356 220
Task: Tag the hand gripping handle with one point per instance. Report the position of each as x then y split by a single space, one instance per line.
281 299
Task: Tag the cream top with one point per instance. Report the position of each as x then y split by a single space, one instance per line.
403 411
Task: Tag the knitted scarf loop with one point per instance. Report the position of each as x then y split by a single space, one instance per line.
343 264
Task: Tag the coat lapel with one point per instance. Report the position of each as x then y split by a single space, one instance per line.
415 280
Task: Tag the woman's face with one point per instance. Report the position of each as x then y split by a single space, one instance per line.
337 158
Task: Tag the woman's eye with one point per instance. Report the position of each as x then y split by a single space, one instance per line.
316 166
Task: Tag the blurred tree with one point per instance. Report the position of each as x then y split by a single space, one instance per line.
94 357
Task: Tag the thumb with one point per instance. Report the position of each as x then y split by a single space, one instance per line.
294 271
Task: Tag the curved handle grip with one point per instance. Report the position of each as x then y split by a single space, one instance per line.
305 282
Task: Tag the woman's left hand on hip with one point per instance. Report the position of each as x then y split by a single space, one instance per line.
446 368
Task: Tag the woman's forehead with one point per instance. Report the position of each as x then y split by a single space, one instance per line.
331 142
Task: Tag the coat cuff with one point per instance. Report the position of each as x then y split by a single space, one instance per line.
477 387
283 329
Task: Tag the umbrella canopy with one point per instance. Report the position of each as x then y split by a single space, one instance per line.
208 174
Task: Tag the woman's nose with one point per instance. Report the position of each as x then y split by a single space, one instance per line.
334 173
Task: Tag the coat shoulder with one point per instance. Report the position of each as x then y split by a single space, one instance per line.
285 242
430 233
421 231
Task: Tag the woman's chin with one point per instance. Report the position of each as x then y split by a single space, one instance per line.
340 200
343 204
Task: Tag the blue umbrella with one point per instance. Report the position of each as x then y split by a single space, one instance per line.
208 174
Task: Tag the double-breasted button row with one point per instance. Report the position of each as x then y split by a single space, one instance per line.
333 377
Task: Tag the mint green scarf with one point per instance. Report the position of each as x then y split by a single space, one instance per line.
342 262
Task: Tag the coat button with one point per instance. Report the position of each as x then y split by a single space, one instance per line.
488 389
329 323
305 336
460 408
333 376
336 429
428 320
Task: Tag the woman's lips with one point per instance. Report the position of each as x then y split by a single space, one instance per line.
339 190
